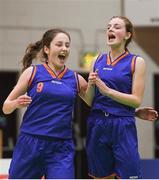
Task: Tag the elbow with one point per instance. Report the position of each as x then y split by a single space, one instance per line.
5 109
137 103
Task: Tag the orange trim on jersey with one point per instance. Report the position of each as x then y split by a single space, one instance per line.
32 75
51 72
77 81
133 64
117 59
61 74
108 60
106 177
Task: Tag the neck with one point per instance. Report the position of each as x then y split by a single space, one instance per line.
116 52
56 69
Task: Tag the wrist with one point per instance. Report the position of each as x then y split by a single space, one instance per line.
109 92
136 112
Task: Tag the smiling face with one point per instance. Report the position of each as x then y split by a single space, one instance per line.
117 34
58 51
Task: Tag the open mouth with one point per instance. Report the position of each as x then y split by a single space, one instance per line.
62 56
111 37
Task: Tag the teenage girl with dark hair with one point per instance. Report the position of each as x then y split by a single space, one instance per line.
48 90
116 85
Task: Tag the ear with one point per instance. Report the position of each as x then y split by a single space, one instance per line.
46 50
128 35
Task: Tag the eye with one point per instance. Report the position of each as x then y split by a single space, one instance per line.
117 27
59 44
67 45
108 27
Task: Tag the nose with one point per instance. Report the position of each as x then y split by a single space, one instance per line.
110 29
64 48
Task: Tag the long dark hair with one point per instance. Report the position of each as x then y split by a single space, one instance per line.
34 51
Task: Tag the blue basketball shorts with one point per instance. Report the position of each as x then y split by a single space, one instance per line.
37 157
112 146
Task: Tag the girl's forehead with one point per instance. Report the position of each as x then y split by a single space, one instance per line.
116 21
61 37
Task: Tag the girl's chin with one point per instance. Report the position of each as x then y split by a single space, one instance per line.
111 43
61 65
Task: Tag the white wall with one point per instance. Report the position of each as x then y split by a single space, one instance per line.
147 10
80 17
24 21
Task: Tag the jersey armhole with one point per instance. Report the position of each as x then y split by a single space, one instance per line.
77 81
32 75
133 64
96 60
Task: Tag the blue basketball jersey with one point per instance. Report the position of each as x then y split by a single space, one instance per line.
53 97
118 76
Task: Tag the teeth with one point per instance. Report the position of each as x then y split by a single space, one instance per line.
61 56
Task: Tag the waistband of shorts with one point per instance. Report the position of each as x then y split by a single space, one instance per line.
47 138
107 114
101 112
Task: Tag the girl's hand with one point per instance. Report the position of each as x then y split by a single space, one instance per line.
146 113
23 101
103 88
92 78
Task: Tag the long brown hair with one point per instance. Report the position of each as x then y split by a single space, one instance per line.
34 51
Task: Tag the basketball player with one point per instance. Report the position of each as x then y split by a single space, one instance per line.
45 145
116 84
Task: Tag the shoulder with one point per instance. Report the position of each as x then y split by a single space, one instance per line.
81 79
25 76
140 60
140 64
29 74
137 59
82 82
28 71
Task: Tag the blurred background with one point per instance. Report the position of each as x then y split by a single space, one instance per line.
24 21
